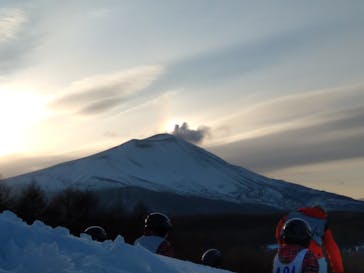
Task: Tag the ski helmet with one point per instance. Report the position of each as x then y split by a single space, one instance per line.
158 223
296 231
211 257
97 233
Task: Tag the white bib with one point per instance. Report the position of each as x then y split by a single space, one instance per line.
151 242
293 267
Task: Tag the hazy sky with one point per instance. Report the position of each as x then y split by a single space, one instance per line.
274 86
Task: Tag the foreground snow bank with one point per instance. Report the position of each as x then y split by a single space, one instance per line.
39 248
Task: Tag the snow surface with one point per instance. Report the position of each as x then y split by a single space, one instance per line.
38 248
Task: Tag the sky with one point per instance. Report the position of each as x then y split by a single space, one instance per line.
274 86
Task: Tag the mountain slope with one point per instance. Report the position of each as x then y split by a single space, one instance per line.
165 163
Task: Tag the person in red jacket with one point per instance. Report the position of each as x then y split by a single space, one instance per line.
294 255
322 240
156 228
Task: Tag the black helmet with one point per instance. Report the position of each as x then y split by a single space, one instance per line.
158 223
97 233
212 257
296 231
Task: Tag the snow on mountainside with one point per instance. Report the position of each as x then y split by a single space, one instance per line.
165 163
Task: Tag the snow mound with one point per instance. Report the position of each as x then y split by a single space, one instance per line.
39 248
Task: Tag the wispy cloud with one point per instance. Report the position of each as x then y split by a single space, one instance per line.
241 58
101 93
304 129
18 37
11 23
340 176
290 112
100 13
194 136
16 165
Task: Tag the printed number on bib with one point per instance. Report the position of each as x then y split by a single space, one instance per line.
286 269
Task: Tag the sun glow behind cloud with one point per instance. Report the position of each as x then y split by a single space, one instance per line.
170 124
19 111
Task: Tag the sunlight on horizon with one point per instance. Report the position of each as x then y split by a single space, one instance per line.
19 111
326 176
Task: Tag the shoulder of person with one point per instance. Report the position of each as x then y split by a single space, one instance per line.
315 212
165 248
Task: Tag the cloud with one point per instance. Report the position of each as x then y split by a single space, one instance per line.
98 13
236 60
16 165
299 129
15 43
20 35
11 23
194 136
101 93
333 138
344 177
111 134
289 112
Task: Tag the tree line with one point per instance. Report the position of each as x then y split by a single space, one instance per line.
73 209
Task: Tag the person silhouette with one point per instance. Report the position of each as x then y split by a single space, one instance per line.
322 240
156 228
293 254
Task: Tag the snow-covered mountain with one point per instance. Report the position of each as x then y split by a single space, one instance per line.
167 165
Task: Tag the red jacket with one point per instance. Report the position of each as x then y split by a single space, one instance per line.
333 253
165 249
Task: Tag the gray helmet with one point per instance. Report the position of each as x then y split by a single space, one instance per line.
158 223
296 231
212 257
97 233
